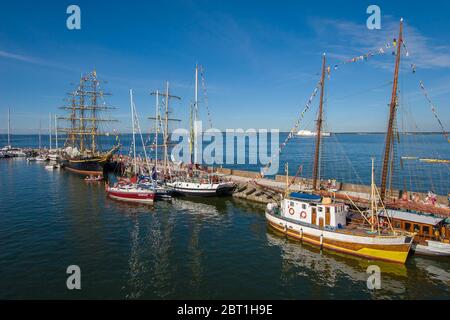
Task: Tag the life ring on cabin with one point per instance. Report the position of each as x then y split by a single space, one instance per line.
291 211
303 215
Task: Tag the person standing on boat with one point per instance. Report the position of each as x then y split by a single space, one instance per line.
154 174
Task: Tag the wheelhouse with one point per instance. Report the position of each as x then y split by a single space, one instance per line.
314 210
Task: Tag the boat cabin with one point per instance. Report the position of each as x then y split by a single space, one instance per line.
314 210
425 227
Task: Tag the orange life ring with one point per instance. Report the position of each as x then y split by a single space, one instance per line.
291 211
303 215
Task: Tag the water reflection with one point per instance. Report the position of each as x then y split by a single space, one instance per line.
433 268
327 269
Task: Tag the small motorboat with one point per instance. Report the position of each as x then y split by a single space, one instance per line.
31 159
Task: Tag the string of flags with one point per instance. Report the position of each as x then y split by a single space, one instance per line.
206 96
364 57
433 109
293 130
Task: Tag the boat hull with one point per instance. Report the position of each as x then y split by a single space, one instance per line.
389 249
141 196
201 190
84 167
433 248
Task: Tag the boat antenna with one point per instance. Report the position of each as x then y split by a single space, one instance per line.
286 168
9 127
392 113
373 201
39 134
56 131
50 130
319 126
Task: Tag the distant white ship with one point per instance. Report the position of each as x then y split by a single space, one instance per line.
307 133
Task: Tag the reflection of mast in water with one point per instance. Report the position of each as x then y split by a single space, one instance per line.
328 269
195 255
200 212
149 257
136 267
159 244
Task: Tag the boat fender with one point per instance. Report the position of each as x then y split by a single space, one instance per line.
301 234
291 211
321 241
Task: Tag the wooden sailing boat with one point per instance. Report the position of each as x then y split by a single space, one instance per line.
82 152
322 222
198 182
432 233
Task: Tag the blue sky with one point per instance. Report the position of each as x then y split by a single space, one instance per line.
261 59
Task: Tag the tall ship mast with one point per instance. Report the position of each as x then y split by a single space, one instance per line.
387 160
85 116
319 128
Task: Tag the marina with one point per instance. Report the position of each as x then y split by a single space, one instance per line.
156 193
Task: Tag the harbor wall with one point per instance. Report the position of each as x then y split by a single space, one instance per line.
346 187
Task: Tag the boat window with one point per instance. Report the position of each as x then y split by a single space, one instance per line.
320 209
303 206
407 226
397 224
426 230
327 210
416 228
291 204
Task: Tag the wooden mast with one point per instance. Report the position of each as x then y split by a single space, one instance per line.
319 126
392 111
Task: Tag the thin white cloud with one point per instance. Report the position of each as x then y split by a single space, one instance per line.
14 56
33 60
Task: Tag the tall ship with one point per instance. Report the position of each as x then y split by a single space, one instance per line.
82 152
